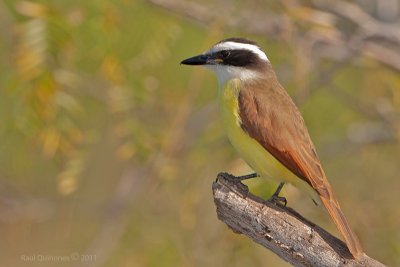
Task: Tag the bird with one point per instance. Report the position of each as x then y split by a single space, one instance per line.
265 126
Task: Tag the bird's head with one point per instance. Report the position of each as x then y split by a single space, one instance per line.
232 58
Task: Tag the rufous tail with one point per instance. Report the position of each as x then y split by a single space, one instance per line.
333 208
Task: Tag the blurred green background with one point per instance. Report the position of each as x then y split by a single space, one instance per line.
109 147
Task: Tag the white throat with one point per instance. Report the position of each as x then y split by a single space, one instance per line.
226 73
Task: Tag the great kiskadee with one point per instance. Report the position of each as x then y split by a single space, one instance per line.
265 127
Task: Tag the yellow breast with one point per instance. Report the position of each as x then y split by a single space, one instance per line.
255 155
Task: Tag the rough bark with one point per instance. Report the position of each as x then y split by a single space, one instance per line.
280 229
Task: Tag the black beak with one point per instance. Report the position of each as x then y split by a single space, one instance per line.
197 60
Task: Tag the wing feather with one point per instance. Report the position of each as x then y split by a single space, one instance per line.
279 127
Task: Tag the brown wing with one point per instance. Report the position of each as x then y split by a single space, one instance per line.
269 116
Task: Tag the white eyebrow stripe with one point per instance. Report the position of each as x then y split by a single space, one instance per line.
233 45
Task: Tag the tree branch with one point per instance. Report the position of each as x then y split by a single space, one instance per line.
280 229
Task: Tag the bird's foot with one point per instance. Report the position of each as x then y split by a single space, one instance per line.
236 179
276 199
247 176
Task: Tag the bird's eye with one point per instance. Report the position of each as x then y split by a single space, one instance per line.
225 53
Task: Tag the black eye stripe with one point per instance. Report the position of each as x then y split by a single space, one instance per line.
225 53
241 57
236 57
